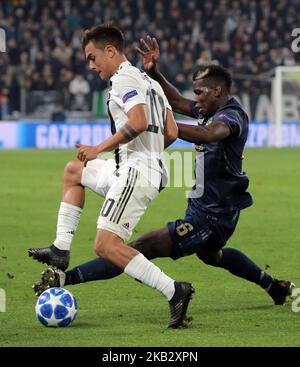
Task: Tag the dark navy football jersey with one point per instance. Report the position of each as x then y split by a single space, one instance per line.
221 185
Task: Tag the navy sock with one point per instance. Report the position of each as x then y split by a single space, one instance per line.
96 269
240 265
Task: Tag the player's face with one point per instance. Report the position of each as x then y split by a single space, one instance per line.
206 97
99 60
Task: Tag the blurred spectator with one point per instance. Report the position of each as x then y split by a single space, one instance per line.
4 108
204 58
58 115
79 89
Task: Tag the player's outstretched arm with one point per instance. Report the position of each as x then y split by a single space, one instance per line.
215 131
136 124
171 129
150 54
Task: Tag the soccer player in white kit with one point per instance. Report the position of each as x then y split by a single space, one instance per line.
142 126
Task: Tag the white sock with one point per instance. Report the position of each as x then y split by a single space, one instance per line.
144 270
67 222
62 278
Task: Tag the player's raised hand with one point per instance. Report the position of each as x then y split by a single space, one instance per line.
149 52
86 153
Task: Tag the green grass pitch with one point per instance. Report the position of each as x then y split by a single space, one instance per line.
227 311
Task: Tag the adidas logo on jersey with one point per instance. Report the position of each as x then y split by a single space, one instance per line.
126 225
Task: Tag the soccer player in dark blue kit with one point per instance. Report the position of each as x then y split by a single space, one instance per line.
216 199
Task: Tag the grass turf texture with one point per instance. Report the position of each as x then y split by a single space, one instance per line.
227 311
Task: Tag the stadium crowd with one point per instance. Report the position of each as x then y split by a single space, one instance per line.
44 40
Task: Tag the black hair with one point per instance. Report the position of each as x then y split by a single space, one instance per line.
103 35
214 74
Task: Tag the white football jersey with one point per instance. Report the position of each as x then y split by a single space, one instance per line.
131 86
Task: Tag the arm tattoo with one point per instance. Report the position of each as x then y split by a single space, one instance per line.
128 132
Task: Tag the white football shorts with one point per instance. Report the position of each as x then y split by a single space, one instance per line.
127 194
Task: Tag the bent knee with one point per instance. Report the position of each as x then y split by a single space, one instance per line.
212 258
105 244
73 170
101 249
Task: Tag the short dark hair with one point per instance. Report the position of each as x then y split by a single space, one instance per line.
103 35
214 74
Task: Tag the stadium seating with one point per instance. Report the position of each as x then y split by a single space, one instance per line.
44 50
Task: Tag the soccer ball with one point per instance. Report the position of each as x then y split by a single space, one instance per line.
56 307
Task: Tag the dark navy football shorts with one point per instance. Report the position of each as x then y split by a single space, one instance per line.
201 231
